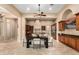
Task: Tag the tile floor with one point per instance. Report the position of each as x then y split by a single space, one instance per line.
12 47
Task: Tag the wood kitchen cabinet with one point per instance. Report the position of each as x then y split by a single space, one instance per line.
70 40
77 21
59 37
66 39
61 25
73 42
28 30
62 38
77 44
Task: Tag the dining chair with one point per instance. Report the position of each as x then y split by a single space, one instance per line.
24 42
34 35
50 41
36 43
42 40
42 43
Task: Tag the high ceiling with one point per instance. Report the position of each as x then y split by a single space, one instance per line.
33 8
6 13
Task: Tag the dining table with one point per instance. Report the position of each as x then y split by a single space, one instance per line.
29 39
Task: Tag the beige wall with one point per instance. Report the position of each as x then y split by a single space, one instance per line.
73 7
42 23
11 28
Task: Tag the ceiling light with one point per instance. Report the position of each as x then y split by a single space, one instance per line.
28 9
51 4
50 8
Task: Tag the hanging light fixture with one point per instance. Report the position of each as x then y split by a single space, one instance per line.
37 25
39 13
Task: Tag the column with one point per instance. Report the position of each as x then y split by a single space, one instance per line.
57 30
4 28
19 36
23 28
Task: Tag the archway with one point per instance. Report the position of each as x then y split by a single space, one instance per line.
67 14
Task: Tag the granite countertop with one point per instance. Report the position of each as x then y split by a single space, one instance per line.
69 34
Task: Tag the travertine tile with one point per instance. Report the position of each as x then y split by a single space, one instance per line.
14 48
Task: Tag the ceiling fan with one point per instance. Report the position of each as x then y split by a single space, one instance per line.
40 13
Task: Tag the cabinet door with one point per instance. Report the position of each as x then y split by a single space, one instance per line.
62 38
69 38
29 30
66 39
73 42
77 44
61 26
77 22
59 37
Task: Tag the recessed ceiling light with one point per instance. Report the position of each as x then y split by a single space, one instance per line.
50 8
51 4
28 9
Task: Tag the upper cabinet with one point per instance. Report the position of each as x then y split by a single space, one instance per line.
61 26
77 21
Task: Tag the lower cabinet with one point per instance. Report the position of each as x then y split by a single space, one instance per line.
73 42
66 40
70 40
77 44
59 37
62 38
